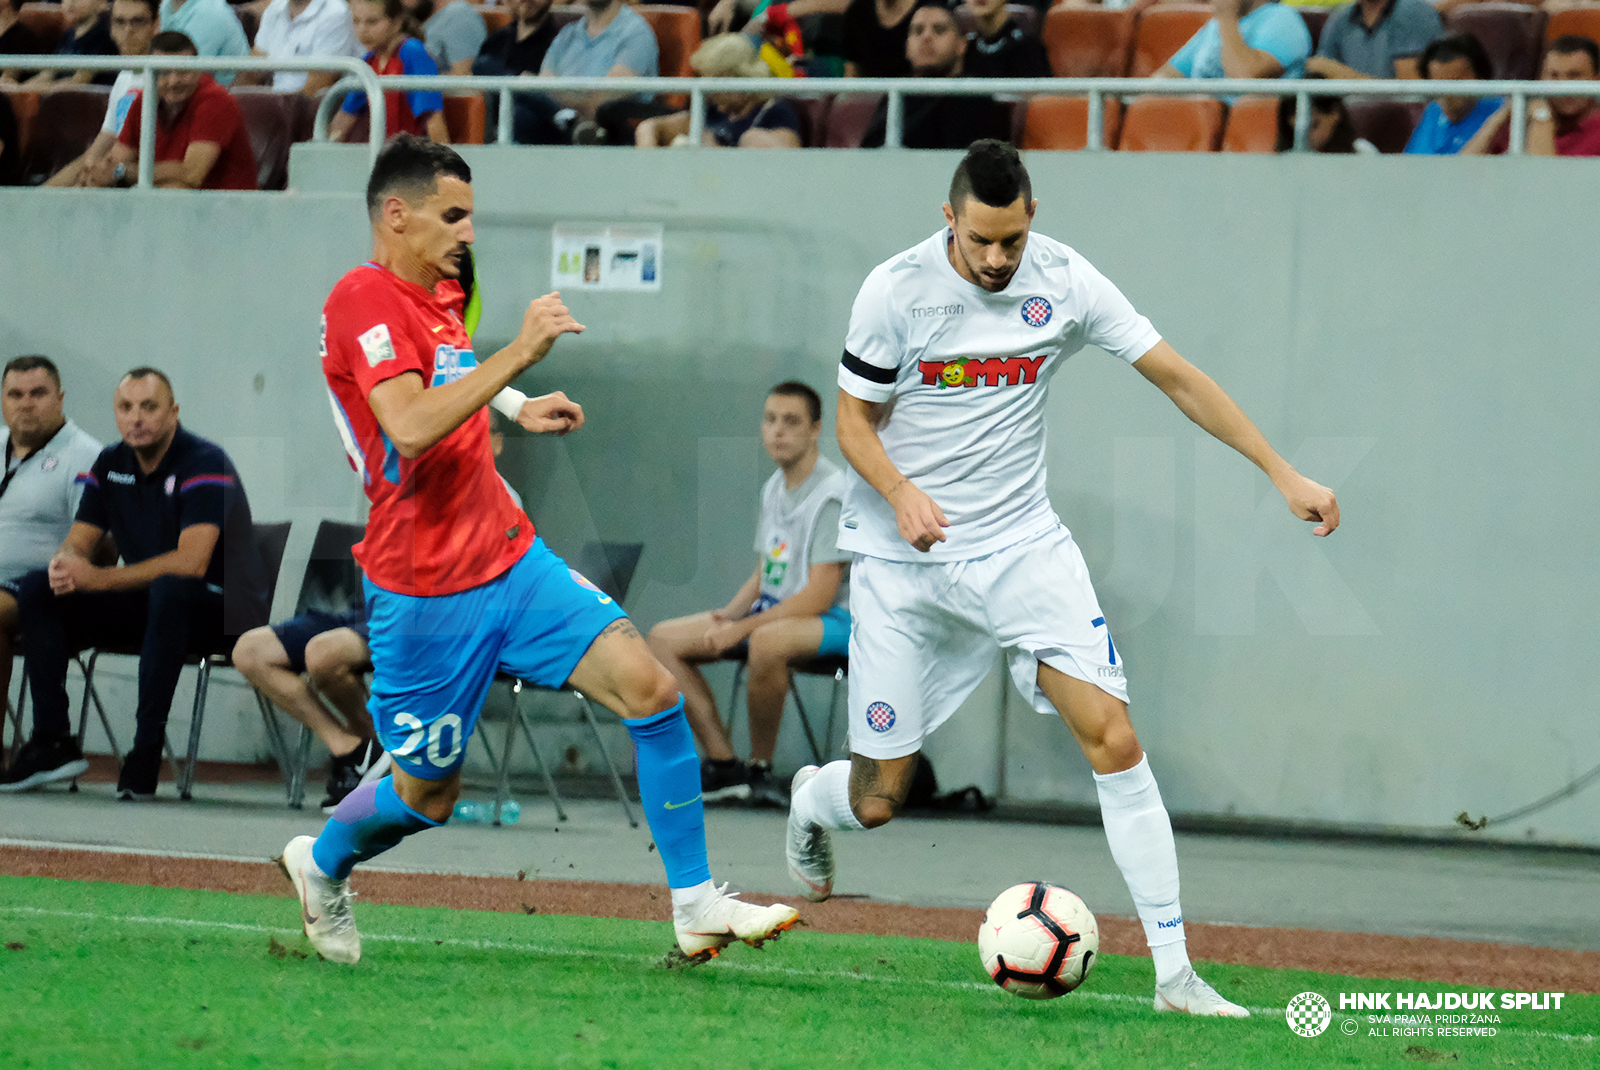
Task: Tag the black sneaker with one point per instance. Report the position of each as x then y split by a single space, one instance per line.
766 792
42 760
723 780
589 132
137 781
368 762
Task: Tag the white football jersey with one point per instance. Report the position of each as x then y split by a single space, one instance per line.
964 374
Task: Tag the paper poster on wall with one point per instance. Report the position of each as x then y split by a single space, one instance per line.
598 256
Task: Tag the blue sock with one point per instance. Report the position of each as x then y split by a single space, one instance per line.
369 821
668 769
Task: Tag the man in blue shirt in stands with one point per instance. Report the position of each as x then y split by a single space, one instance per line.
1245 39
611 41
1449 122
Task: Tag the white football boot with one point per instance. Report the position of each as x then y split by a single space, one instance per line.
324 903
809 848
719 919
1187 994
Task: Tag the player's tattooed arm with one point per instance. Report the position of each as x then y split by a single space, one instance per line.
621 626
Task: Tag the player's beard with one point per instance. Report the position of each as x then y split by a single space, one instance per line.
451 268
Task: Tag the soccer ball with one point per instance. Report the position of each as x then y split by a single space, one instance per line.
1038 940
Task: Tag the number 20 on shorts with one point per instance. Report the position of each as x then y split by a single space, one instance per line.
434 736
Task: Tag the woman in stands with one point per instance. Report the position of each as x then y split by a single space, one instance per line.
1331 128
745 120
385 28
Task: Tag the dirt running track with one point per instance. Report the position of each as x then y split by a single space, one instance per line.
1399 957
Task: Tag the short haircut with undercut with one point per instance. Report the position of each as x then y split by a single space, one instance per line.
1571 43
992 172
793 388
33 362
144 371
409 167
1461 46
173 43
153 5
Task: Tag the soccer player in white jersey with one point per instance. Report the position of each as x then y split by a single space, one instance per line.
951 348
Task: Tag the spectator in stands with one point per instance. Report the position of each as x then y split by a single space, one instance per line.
999 49
875 33
384 28
201 141
16 39
88 34
332 649
39 491
303 29
1376 39
743 120
935 48
453 34
610 41
1448 123
133 25
1246 39
1331 129
518 47
1560 126
191 577
211 25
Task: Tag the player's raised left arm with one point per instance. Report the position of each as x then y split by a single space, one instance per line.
1200 399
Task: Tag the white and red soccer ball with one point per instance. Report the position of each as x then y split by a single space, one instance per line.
1038 940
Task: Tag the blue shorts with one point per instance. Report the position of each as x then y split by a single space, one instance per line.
835 631
296 632
433 659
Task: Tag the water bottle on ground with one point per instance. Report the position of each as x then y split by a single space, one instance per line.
476 812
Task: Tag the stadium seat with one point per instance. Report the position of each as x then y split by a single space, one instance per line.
835 666
47 23
25 106
1385 123
1063 123
1088 42
1162 31
1513 34
813 112
1252 125
1026 16
65 124
495 18
565 13
1171 124
848 119
1315 18
269 118
677 31
464 116
1584 21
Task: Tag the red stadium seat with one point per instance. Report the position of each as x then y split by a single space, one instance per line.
495 18
1583 21
1385 123
1171 124
1026 16
1513 34
1316 18
1088 42
1063 123
813 112
464 117
66 123
848 119
47 23
677 31
25 107
1252 125
269 119
1162 31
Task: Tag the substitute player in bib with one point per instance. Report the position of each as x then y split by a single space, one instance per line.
943 382
457 585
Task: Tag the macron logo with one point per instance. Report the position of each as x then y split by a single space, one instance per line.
931 311
120 477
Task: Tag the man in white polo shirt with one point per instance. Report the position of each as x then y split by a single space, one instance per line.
302 29
39 491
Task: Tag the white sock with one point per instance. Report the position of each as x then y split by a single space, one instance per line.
825 799
684 901
1140 835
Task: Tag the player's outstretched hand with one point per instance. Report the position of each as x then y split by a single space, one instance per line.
546 320
1310 500
918 516
550 414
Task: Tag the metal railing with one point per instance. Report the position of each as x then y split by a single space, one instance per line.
361 77
897 89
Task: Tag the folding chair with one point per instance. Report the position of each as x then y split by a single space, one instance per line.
270 541
610 567
834 666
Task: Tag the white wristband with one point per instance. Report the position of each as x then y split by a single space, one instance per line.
508 402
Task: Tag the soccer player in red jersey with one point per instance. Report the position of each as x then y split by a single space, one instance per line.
457 583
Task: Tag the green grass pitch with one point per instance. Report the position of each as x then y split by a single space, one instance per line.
106 976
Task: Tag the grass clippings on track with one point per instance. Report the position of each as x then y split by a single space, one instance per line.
108 976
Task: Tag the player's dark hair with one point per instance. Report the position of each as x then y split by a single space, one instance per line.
409 167
992 172
1461 46
173 43
144 371
793 388
153 5
1570 43
33 362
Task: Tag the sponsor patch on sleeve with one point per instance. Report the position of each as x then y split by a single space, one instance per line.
377 345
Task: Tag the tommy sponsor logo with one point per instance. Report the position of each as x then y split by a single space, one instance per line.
995 371
1036 312
938 311
377 345
880 717
125 478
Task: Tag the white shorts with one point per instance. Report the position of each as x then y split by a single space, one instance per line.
923 636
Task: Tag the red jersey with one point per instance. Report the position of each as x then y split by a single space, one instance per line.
443 522
210 115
